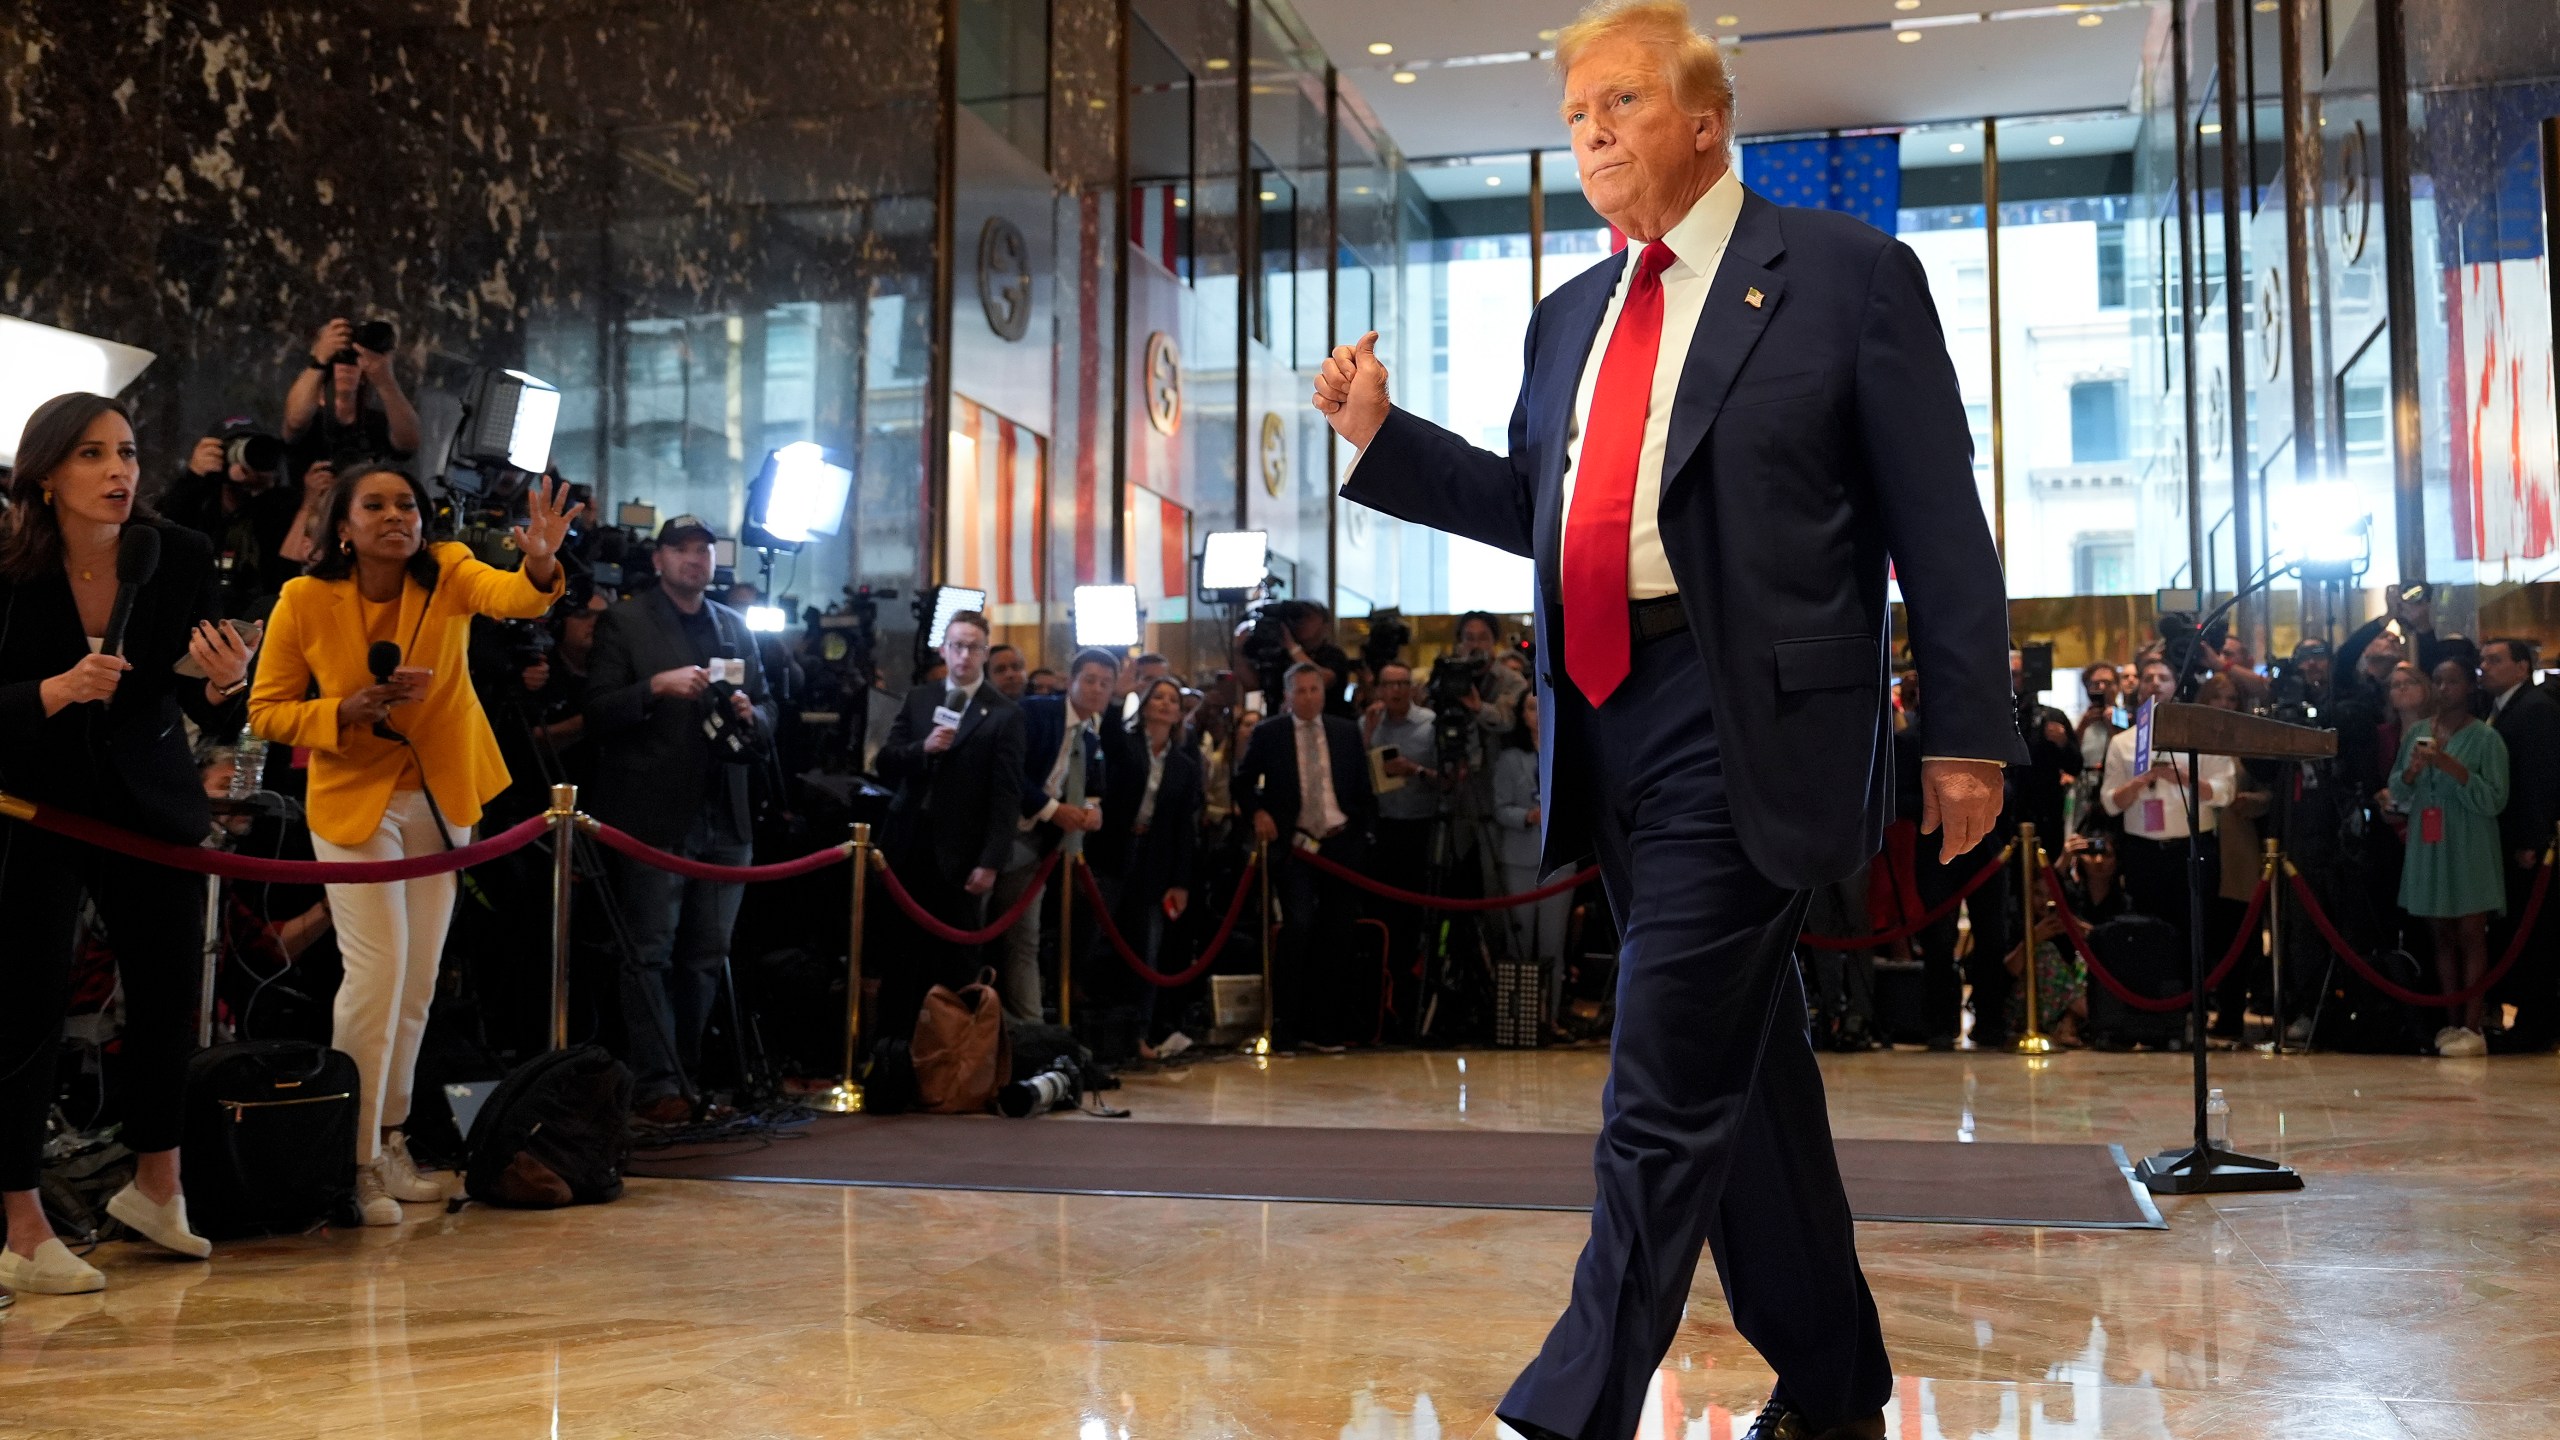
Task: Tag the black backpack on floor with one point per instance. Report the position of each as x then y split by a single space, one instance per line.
2148 956
269 1137
556 1132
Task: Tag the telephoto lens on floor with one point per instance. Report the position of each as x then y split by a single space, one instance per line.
1056 1088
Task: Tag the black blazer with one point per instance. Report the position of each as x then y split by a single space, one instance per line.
959 807
1150 864
1268 777
1818 434
1044 729
127 761
653 764
2530 726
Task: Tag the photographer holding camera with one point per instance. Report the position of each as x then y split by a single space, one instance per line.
675 707
230 494
1289 633
346 403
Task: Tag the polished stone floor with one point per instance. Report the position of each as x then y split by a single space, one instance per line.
2411 1291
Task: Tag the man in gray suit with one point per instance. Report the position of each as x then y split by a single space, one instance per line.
675 705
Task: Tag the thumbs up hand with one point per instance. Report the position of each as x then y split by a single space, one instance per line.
1351 390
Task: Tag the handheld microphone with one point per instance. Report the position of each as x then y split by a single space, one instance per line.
137 560
382 659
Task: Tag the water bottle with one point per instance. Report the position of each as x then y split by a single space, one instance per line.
248 767
2217 1119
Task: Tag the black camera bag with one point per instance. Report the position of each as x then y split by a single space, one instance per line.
556 1132
270 1137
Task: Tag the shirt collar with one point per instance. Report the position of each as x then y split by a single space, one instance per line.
1702 234
2503 696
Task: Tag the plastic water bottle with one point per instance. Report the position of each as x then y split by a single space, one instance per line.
2217 1119
248 767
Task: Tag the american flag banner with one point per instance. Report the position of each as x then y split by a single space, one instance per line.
1155 223
996 533
2504 443
1857 175
1159 534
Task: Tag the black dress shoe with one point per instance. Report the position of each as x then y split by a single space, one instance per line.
1780 1421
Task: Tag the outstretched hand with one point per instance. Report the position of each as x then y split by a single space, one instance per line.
1351 390
547 514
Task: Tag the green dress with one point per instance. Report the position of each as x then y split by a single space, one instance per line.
2460 872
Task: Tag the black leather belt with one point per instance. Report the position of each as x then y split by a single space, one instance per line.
1652 619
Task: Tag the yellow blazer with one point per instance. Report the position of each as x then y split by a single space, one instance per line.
316 641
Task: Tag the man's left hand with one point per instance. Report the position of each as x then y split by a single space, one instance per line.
981 880
1959 799
745 708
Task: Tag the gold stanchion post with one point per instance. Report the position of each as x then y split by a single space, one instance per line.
563 816
846 1097
2275 936
1262 864
2034 1041
1066 936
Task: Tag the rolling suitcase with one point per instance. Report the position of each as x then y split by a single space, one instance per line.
270 1137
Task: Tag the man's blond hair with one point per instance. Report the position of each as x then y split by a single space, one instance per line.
1691 63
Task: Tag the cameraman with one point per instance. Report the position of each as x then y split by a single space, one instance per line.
533 680
229 494
346 402
1306 638
1496 701
652 706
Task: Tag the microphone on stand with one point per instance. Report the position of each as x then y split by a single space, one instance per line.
137 560
382 659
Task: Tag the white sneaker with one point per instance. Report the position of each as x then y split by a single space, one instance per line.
53 1271
2444 1036
374 1205
401 1178
162 1225
2462 1044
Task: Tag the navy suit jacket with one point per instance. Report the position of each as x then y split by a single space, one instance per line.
1267 778
1817 435
1044 725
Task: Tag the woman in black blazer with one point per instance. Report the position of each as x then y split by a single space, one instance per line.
99 734
1158 782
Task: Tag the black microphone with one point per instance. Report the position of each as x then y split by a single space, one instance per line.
137 560
382 659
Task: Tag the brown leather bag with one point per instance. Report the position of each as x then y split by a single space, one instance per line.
962 1055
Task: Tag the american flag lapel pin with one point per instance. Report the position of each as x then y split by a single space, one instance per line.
1752 297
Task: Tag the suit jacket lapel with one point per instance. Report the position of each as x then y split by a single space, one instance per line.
1727 330
1579 309
970 717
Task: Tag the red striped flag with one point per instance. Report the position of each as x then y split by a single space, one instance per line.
998 515
1159 558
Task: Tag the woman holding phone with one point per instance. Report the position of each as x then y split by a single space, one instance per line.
94 728
2451 782
1158 782
399 767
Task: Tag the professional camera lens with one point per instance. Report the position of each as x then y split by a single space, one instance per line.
376 336
260 453
1055 1088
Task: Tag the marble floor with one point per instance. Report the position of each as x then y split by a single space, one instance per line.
2410 1291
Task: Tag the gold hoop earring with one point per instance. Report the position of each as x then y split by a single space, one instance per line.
48 494
346 547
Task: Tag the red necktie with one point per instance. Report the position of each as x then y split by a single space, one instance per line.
1604 487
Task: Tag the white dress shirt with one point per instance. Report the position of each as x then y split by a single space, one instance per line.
1699 241
2498 705
1078 726
2159 809
1316 800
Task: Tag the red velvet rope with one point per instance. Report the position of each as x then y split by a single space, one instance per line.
198 860
1936 913
949 934
1340 871
651 855
2406 996
1137 963
2073 927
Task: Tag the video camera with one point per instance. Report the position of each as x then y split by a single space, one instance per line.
1453 679
1388 635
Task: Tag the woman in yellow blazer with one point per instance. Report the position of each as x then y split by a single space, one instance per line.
387 758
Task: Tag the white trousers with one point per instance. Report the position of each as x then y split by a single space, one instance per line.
392 936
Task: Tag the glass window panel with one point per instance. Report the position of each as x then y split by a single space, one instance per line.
1003 69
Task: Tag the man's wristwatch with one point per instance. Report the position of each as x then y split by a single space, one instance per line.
234 688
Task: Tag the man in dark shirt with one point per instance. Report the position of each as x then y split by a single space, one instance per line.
346 404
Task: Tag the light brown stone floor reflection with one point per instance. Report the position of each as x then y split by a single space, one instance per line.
2409 1292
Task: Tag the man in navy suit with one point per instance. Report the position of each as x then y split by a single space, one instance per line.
1060 788
1722 438
1304 782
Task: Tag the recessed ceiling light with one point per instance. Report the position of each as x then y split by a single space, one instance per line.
1270 195
1360 190
2054 140
1218 62
1909 37
2091 22
1956 148
1906 4
2265 7
1381 47
1728 21
2210 127
1404 77
1546 34
1181 204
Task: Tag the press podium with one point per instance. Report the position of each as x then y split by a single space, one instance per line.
2194 730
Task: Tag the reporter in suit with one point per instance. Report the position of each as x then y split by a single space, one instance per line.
951 821
660 776
1063 779
378 798
99 734
1304 780
1722 437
